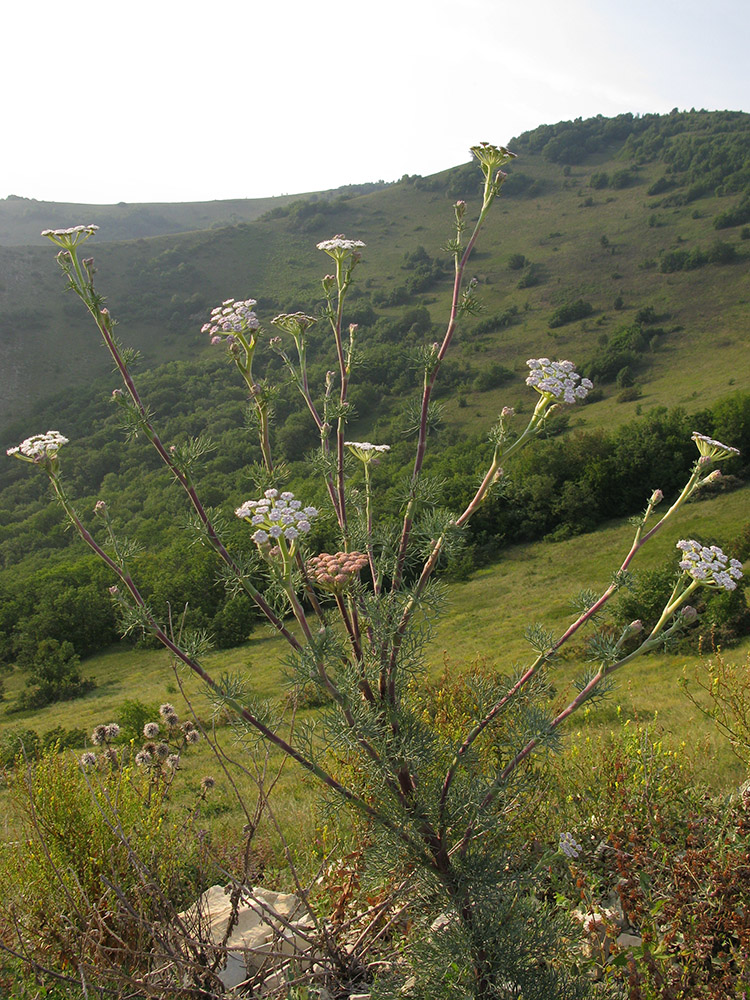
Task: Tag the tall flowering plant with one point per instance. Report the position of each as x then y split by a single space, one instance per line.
356 620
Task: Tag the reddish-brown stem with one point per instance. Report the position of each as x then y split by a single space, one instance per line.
426 395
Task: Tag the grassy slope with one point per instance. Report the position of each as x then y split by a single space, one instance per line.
47 344
485 621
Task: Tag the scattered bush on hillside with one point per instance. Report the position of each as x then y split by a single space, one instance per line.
533 275
690 260
570 312
498 321
54 675
733 216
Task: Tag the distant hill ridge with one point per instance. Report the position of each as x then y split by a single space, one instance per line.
23 219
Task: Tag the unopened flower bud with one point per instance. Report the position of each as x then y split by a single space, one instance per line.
460 209
656 497
507 411
689 614
216 340
713 477
116 393
100 507
636 626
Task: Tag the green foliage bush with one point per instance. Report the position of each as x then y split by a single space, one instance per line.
533 275
102 857
498 321
689 260
736 216
570 312
54 675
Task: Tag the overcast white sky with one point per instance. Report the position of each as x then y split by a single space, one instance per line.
157 100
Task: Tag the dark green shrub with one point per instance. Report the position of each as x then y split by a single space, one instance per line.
55 675
570 312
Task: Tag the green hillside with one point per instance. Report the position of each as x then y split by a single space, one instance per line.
620 213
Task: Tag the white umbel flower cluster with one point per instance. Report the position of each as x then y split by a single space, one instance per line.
277 516
365 451
339 243
713 449
69 239
71 231
39 447
367 446
232 316
709 565
558 379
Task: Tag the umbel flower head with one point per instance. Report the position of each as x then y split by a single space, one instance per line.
276 517
232 316
492 157
294 323
557 379
340 247
70 238
712 449
365 451
709 565
39 447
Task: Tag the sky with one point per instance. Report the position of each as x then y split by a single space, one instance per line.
157 100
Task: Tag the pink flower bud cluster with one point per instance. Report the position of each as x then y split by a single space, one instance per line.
335 572
276 516
231 317
558 379
39 447
709 565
